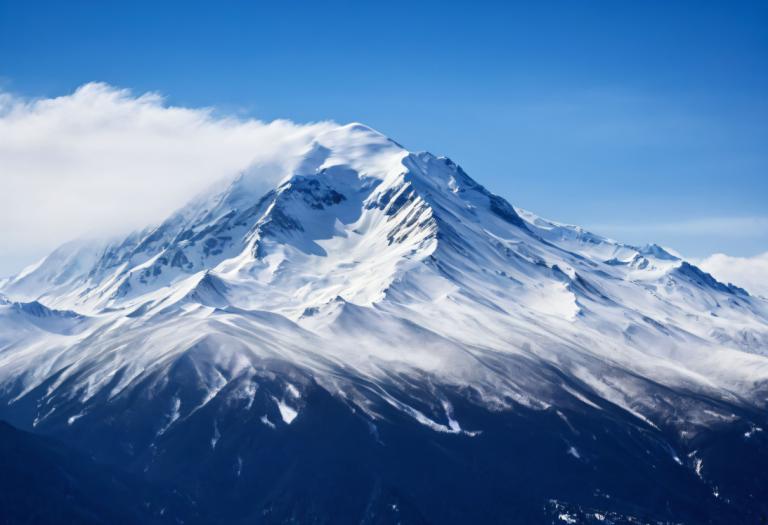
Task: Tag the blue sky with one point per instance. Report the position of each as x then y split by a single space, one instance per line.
645 121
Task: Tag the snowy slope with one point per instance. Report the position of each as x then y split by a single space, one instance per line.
367 240
393 281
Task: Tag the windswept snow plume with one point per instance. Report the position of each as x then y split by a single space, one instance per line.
104 160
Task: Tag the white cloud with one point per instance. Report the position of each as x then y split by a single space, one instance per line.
750 273
102 160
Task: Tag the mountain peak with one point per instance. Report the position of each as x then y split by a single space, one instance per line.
352 203
393 287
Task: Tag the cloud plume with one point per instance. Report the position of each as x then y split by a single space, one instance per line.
103 160
750 273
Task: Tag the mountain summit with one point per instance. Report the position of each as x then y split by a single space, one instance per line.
323 347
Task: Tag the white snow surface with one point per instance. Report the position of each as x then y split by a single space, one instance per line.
391 267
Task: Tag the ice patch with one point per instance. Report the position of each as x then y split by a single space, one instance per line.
74 418
452 423
698 464
172 417
293 391
39 418
266 421
573 451
286 412
580 397
453 426
216 435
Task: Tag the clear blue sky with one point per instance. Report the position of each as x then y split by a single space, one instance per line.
644 120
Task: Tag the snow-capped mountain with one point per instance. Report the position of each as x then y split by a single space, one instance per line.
379 314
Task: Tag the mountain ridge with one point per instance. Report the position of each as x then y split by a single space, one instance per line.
385 286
